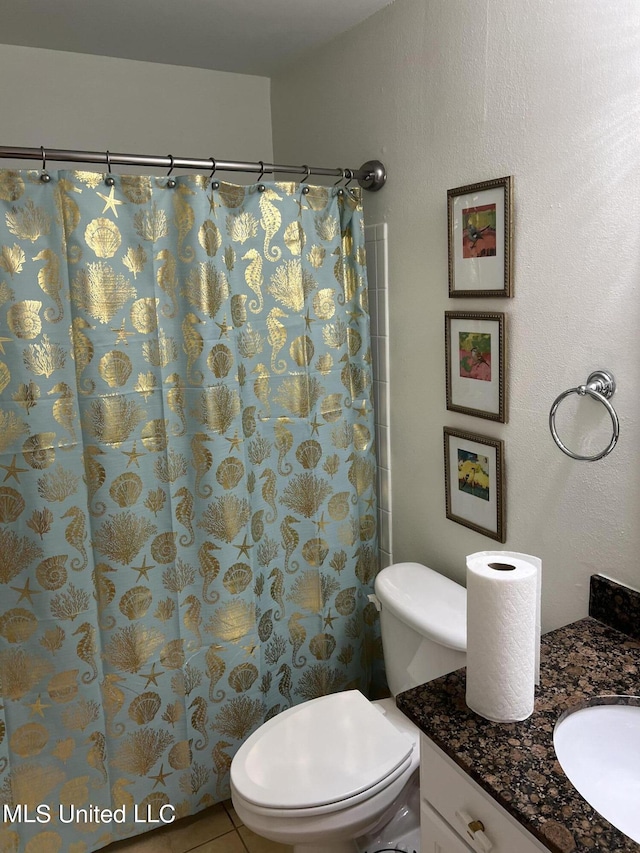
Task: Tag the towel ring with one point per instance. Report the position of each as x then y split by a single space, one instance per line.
601 386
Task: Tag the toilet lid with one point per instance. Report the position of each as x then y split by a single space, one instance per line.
323 751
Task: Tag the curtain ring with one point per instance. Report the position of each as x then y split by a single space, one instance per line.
109 180
306 177
214 184
171 182
45 177
261 186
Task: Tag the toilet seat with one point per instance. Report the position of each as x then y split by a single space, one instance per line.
320 756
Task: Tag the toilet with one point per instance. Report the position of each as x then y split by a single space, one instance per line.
338 774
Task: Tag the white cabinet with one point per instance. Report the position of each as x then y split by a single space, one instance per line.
457 816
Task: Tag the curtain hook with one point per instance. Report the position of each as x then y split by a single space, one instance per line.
261 187
349 176
214 184
109 180
171 182
305 190
341 178
45 177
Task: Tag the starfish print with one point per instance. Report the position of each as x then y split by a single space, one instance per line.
329 620
152 677
321 524
361 410
224 328
26 591
133 455
315 424
4 341
159 779
250 650
244 548
212 202
143 569
111 201
37 707
122 334
13 470
235 442
308 321
370 502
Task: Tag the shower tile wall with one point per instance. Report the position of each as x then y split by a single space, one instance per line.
377 272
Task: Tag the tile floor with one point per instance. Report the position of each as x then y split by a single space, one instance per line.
215 830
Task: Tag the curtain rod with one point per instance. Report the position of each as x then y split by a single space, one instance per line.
371 175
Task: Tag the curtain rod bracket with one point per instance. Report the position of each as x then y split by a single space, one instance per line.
375 175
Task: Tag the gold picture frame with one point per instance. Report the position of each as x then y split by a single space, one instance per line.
480 238
475 482
475 347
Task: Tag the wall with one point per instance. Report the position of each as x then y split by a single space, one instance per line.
73 101
449 92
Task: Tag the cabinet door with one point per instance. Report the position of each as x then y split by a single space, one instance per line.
436 835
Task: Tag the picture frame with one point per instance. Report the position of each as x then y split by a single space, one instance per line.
480 238
475 482
475 346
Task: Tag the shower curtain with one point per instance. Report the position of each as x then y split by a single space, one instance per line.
187 487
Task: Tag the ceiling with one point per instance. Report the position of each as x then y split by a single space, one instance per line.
242 36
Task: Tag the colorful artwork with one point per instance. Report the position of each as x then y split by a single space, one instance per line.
479 231
475 355
473 474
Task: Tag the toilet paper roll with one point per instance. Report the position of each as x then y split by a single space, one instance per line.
503 634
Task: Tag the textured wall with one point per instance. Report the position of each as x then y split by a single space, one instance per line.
70 100
448 92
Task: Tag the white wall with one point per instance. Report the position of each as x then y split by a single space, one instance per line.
449 92
75 101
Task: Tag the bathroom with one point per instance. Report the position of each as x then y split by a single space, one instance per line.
445 94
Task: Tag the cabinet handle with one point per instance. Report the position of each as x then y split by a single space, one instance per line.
475 831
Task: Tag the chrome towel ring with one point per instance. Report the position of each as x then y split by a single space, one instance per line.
601 386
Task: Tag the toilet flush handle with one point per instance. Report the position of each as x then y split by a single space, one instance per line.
376 601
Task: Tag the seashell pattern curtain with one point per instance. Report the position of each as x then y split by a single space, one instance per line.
187 487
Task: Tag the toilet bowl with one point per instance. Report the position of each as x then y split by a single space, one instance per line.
325 773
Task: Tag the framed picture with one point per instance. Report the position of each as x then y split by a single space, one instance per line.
474 482
480 238
475 363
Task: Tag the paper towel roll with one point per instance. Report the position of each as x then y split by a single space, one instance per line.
503 634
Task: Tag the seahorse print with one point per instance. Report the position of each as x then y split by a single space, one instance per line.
277 337
202 460
290 539
50 282
82 353
192 344
269 492
192 619
284 443
175 401
254 279
167 280
297 636
284 685
75 534
97 755
276 591
184 219
86 650
184 515
222 763
209 568
199 721
94 476
215 670
270 222
112 701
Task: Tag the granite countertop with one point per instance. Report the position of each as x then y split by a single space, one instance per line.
515 762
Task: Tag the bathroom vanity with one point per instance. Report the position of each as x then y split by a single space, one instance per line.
498 787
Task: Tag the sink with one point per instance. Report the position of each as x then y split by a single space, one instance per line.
598 747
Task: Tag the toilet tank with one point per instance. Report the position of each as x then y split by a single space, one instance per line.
423 621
